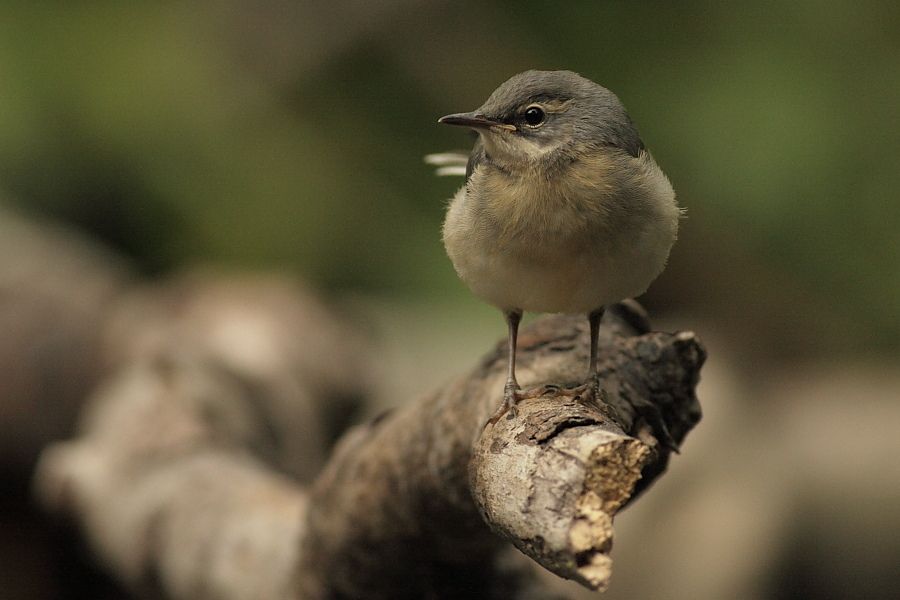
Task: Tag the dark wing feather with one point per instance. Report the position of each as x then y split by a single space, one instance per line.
475 159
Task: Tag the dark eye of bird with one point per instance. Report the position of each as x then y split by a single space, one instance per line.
534 116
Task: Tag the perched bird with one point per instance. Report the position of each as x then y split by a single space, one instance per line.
563 209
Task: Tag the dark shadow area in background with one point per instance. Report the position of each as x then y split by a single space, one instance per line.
43 558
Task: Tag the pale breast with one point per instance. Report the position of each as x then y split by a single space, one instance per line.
573 246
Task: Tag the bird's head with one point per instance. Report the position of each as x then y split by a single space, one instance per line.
541 118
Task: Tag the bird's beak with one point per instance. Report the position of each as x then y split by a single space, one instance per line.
475 121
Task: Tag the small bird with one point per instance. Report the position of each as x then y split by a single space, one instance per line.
563 209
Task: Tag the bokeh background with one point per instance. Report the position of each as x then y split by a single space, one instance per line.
289 136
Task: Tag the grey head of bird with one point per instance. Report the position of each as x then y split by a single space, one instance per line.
539 120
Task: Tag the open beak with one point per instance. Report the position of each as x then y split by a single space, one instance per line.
475 121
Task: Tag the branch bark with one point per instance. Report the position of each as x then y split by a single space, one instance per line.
398 505
173 491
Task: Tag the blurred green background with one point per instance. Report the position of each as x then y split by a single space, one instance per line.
291 134
279 135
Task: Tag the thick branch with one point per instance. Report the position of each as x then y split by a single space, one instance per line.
173 481
393 513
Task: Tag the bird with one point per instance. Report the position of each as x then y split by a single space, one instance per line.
563 209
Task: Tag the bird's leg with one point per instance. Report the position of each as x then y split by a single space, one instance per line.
511 389
590 389
594 375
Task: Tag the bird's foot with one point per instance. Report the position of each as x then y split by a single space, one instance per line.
512 394
588 391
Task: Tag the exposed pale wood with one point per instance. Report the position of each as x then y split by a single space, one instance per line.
173 476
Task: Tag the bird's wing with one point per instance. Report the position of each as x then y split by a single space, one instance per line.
448 163
476 158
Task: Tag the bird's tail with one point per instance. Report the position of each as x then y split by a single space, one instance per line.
448 163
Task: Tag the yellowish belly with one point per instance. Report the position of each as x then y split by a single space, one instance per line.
576 284
564 250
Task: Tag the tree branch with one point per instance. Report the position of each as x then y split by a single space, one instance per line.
549 480
170 486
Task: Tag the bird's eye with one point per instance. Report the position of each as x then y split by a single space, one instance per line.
534 116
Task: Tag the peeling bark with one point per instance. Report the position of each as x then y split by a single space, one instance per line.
173 476
418 485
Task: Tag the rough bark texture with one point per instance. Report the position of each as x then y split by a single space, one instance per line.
396 512
175 476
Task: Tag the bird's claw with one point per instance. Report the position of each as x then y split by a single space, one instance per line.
548 389
511 397
589 391
586 392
